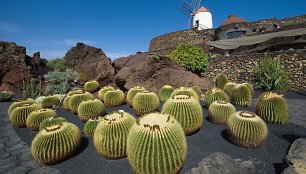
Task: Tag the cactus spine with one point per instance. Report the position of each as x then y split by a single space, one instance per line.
219 111
51 122
90 109
165 92
20 114
36 117
221 80
229 87
76 99
91 86
145 102
131 94
66 102
91 125
185 91
241 95
50 101
197 90
214 94
250 87
114 98
18 103
103 90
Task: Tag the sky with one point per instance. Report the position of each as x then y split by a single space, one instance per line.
118 27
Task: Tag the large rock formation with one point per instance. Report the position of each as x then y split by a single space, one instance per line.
91 61
295 160
38 65
142 70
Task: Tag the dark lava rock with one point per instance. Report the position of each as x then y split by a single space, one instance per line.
142 70
38 65
220 163
91 61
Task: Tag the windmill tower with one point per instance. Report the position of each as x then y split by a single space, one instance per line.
200 18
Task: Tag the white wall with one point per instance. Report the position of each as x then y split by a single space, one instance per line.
205 20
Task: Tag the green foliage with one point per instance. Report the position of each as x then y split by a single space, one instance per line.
156 144
57 64
110 136
155 58
241 95
36 117
6 96
272 108
114 98
1 49
214 94
91 86
221 80
18 103
50 101
219 111
32 89
48 122
56 143
83 77
187 110
132 92
20 114
246 129
60 82
271 76
77 98
191 57
91 125
165 92
145 102
90 109
185 91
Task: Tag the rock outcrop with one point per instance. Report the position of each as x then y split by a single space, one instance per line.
91 61
38 66
142 70
295 160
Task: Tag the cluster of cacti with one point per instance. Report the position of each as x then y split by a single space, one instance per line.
221 80
91 86
89 109
51 121
103 90
36 117
131 94
165 92
77 98
91 125
229 87
50 101
246 129
241 95
56 143
32 88
187 110
185 91
110 136
145 102
20 114
156 144
220 110
18 103
6 96
249 86
197 90
114 98
272 108
214 94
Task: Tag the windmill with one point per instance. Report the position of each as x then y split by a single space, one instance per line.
188 7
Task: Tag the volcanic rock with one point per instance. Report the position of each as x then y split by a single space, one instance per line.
295 160
38 65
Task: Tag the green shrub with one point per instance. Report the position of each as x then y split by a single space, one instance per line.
1 49
191 57
155 58
6 96
271 76
57 64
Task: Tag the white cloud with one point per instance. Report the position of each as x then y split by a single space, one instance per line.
6 27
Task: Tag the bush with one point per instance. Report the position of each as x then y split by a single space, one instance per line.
1 49
271 76
57 64
60 82
191 57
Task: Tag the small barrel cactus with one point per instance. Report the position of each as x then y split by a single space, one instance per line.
74 91
214 94
229 87
110 136
66 102
221 80
114 98
51 121
250 87
186 91
77 98
145 102
91 125
246 129
272 108
241 95
91 86
36 117
156 144
90 109
197 90
18 103
50 101
56 143
220 110
103 90
20 114
165 92
131 94
187 110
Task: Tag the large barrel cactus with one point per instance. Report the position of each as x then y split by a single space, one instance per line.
241 95
249 86
91 86
214 94
103 90
187 110
50 101
156 144
229 87
77 98
246 129
74 91
165 92
110 136
18 103
91 125
272 108
90 109
66 102
56 143
20 114
114 98
197 90
221 80
145 102
36 117
186 91
132 92
51 121
220 110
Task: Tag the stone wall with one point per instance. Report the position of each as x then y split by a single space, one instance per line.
239 67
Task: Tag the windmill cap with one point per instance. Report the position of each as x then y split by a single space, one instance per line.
201 9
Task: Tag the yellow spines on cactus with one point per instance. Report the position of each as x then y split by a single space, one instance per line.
114 98
186 91
66 102
89 109
50 101
36 117
20 114
103 90
221 80
131 94
165 92
18 103
229 87
77 98
91 125
145 102
74 91
219 111
91 86
51 121
214 94
249 86
110 136
241 95
197 90
156 144
187 110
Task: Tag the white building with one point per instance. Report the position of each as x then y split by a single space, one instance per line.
202 19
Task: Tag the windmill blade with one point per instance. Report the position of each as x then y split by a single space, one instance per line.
187 6
185 12
190 24
196 4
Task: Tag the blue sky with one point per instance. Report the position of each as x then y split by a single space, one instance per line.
119 27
